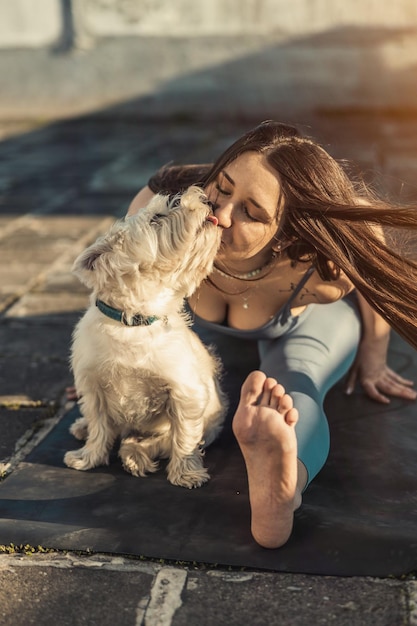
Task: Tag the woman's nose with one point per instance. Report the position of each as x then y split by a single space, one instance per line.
223 212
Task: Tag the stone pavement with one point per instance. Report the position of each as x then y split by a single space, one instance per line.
61 184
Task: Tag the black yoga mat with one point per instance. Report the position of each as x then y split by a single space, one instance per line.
359 517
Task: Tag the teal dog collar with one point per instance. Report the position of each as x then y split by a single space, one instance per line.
120 316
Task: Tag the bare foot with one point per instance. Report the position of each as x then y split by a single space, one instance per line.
264 428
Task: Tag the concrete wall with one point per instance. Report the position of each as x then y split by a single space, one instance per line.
208 17
34 23
257 58
30 23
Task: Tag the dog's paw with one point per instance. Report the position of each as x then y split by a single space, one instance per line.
79 429
135 460
137 467
79 460
188 472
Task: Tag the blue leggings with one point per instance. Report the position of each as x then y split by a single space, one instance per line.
308 360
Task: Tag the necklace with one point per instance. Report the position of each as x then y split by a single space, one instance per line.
244 297
245 304
246 275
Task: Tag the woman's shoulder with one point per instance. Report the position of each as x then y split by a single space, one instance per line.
327 291
308 286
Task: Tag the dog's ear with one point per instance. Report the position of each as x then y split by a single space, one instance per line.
88 262
88 258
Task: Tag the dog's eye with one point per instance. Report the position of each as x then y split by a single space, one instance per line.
175 202
156 219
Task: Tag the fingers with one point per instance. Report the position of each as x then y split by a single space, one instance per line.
382 384
372 391
351 381
391 384
398 390
396 378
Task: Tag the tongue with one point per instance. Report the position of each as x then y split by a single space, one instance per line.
212 218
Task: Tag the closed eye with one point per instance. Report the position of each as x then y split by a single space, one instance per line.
248 214
224 192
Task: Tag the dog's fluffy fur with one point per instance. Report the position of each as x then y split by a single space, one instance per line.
154 386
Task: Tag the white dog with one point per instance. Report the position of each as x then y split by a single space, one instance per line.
140 370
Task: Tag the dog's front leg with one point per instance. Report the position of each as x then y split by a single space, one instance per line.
139 453
187 470
79 429
185 467
100 439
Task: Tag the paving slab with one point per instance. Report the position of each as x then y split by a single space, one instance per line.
86 595
34 361
15 422
74 589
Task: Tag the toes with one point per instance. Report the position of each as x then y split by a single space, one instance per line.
286 408
291 417
260 390
285 403
276 396
252 388
267 393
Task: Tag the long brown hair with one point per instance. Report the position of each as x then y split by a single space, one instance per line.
327 216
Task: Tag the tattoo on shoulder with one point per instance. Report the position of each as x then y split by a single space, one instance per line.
302 294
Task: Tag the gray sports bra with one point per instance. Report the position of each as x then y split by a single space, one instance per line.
280 324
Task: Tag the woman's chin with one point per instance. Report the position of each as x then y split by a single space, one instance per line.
229 254
229 251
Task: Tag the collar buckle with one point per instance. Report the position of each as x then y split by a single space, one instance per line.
125 321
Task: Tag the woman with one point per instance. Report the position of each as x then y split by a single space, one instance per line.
297 235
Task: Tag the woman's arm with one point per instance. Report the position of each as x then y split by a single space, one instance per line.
370 365
169 180
140 200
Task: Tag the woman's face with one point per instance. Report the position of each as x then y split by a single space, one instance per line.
245 198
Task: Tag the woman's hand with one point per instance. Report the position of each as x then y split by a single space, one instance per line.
370 366
377 379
